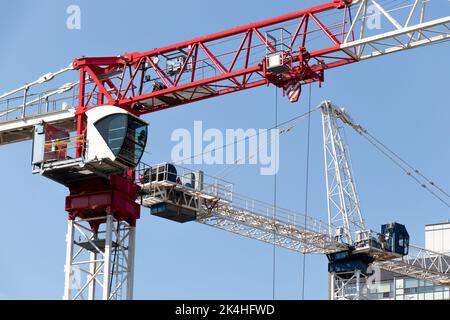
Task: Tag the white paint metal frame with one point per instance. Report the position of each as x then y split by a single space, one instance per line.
246 217
299 234
42 79
421 264
342 200
99 265
21 129
21 109
348 286
403 27
255 220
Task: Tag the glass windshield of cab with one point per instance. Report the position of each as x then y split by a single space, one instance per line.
134 142
125 135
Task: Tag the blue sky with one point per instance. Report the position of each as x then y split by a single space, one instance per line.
402 99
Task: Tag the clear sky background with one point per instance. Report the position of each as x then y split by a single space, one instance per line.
402 99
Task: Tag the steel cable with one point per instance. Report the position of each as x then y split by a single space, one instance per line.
391 156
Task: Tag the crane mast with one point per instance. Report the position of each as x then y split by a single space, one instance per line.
99 263
88 135
344 211
342 200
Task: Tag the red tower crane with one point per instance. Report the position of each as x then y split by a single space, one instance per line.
286 51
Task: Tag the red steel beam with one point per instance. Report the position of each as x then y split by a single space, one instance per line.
126 68
238 30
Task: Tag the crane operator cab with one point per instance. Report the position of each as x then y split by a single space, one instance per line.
395 238
114 142
116 135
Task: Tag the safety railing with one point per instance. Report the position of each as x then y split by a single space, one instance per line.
194 181
149 176
421 264
219 206
279 215
61 150
428 260
30 105
369 238
263 222
278 39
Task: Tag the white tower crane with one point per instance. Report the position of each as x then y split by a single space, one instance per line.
343 204
344 212
354 252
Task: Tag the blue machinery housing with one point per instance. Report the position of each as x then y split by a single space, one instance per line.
393 238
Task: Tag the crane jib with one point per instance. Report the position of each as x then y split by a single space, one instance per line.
87 135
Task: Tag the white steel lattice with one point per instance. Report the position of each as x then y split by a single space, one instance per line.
421 264
247 217
348 286
287 230
379 29
343 202
99 265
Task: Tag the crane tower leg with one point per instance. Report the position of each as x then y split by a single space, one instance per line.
100 263
348 286
101 239
130 262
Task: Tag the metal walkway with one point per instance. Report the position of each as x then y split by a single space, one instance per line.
21 129
421 264
216 205
24 107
